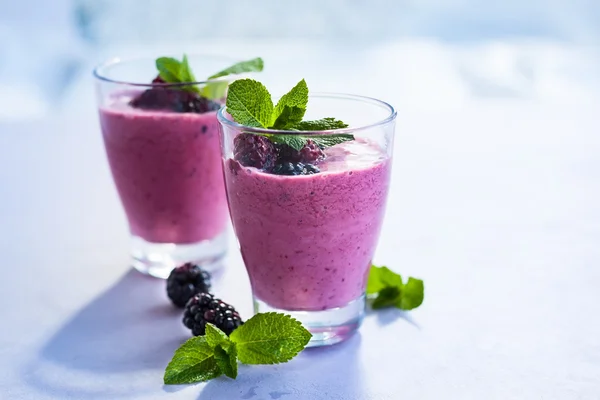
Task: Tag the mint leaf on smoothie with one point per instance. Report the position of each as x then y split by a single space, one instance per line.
254 65
297 142
216 90
249 103
387 289
323 124
267 338
171 70
291 107
185 72
270 338
168 69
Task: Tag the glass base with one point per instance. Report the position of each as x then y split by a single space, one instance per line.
159 259
328 326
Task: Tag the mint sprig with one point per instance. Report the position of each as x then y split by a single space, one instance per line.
387 289
172 70
323 124
194 361
253 65
268 338
250 104
291 107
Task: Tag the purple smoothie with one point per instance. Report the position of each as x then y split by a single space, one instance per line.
307 241
168 171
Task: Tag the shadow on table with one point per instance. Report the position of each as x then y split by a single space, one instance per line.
388 316
130 327
318 373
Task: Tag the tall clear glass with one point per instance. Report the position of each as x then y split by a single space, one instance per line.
166 164
307 238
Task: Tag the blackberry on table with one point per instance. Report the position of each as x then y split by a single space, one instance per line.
203 308
254 151
186 281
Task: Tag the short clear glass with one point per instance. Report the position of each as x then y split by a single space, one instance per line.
166 165
307 240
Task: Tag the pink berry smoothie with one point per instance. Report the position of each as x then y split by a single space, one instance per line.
307 240
168 171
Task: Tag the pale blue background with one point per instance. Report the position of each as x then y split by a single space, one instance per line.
45 44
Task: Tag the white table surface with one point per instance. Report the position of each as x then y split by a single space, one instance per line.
494 203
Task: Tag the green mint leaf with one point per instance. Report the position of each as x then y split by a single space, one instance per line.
289 116
323 124
291 107
185 72
387 297
249 103
226 357
412 294
269 338
382 277
215 336
324 141
297 142
174 71
193 362
254 65
168 69
387 289
216 90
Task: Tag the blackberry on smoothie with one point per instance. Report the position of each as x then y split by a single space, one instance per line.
307 201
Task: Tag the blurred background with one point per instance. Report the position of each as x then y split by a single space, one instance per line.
440 53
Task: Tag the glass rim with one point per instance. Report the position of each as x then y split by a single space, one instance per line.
96 72
222 117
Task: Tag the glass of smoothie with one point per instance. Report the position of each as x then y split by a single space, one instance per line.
308 220
162 144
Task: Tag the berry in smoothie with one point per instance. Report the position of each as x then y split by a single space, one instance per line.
310 153
254 151
176 100
288 168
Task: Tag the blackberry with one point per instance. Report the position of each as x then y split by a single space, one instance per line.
158 80
186 281
288 168
177 100
254 151
203 308
310 169
310 153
